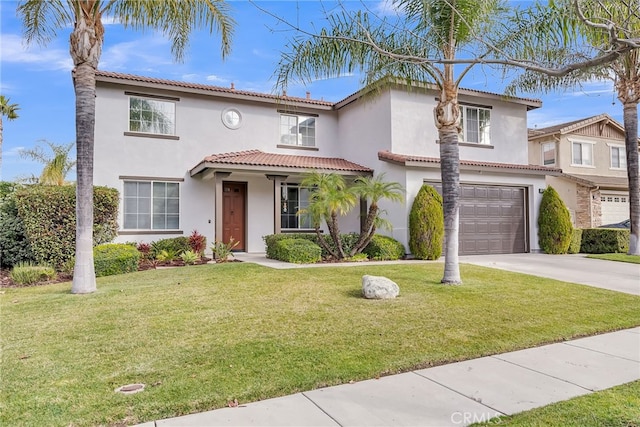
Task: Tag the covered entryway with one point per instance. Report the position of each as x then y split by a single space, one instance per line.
234 196
615 207
492 219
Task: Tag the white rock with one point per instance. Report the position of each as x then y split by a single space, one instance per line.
378 287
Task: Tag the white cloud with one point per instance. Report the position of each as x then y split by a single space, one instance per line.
145 53
386 8
12 152
212 78
14 51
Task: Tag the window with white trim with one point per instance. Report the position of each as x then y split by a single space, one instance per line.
475 123
154 116
582 154
293 199
549 154
618 157
151 205
298 130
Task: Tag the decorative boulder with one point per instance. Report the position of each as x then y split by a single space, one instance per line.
378 287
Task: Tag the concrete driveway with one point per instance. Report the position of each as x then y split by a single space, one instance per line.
616 276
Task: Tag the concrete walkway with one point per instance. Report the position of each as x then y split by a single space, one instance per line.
460 394
457 394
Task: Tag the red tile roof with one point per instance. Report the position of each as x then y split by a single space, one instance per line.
403 159
106 75
260 158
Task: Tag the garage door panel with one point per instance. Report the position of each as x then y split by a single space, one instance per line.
614 207
492 219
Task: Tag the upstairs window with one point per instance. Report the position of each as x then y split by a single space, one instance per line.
293 199
582 154
151 205
298 130
152 116
549 154
618 157
476 125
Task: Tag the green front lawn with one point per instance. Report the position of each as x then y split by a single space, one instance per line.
614 407
635 259
201 336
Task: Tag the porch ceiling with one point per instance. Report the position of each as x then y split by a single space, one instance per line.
259 161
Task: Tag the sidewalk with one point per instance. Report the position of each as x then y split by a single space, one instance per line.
456 394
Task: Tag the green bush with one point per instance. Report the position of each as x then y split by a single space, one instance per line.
300 251
605 240
384 248
576 241
26 273
348 242
115 258
174 245
554 223
271 240
14 245
49 217
426 224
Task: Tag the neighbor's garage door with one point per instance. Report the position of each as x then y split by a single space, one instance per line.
615 207
492 219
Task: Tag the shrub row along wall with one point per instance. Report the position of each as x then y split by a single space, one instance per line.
49 217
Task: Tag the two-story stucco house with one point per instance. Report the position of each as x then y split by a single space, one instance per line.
591 153
229 162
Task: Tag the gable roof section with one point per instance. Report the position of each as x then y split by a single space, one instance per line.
260 161
574 126
230 92
421 161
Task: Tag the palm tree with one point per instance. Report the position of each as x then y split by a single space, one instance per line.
328 199
56 166
10 111
373 190
437 42
593 23
175 18
434 28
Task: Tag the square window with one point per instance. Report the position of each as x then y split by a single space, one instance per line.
582 154
298 130
142 211
151 116
293 200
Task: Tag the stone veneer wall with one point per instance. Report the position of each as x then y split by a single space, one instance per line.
589 209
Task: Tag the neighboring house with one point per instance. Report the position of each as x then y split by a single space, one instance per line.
591 153
228 162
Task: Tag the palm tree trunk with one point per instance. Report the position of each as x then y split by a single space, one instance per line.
84 280
630 111
447 121
85 48
1 147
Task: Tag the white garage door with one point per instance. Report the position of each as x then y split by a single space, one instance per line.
615 207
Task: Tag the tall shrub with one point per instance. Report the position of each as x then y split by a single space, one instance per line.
14 245
49 216
554 224
426 224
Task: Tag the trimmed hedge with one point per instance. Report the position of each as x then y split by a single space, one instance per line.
384 248
554 223
426 224
174 245
299 251
115 258
49 217
605 240
14 245
576 241
271 240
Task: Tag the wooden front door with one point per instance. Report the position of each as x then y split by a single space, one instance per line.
233 213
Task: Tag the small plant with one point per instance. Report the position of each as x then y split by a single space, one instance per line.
358 258
114 258
197 243
27 273
177 245
189 257
167 255
222 251
145 250
299 251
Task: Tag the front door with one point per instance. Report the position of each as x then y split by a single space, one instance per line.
233 213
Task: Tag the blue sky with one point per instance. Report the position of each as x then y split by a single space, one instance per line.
39 78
